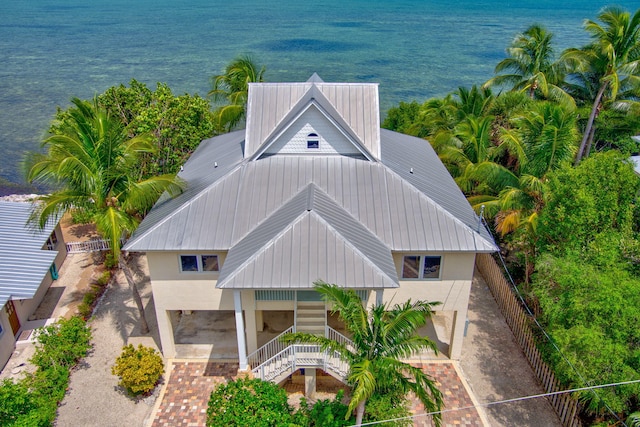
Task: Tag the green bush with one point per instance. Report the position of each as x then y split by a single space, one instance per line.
110 262
324 413
105 277
139 369
248 402
390 405
33 401
15 402
63 343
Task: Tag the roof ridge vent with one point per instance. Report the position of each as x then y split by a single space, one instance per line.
310 197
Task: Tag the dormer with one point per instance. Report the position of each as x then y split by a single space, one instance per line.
313 118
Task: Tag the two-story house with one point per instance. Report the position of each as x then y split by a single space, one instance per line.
312 189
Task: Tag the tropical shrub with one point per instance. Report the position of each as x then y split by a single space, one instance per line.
324 413
15 401
248 402
63 343
392 405
33 401
139 369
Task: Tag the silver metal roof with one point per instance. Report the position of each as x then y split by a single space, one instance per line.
271 105
398 213
288 220
309 237
23 262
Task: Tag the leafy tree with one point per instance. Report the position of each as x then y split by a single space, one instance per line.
597 197
232 90
530 66
248 402
591 313
175 124
91 163
382 337
614 60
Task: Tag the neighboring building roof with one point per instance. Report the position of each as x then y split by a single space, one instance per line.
288 220
23 262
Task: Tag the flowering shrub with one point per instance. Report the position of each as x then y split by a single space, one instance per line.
139 369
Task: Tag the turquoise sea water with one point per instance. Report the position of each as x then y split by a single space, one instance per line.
52 50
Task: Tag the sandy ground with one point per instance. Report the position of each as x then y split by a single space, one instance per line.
94 397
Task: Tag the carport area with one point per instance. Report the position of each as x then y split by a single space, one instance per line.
209 334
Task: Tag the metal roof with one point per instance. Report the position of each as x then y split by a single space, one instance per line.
23 262
390 207
288 220
354 105
338 249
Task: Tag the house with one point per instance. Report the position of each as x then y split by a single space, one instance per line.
312 189
29 262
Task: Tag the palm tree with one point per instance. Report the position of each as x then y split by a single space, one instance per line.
381 337
232 89
546 138
530 66
614 55
91 164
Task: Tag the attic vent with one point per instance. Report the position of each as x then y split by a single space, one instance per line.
313 141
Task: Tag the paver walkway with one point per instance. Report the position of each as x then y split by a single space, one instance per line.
189 385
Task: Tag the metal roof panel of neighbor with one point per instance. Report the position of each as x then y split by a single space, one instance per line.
23 261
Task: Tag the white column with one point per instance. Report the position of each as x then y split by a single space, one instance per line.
165 327
242 348
310 383
457 334
379 296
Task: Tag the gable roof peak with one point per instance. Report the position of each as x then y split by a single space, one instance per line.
315 78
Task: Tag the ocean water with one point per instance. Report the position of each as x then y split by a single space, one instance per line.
52 50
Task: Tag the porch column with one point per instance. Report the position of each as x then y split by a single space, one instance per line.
457 334
379 296
165 328
242 348
310 383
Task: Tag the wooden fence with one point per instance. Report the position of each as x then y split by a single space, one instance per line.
519 321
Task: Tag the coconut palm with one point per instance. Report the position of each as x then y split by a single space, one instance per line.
530 66
613 56
382 337
91 164
232 89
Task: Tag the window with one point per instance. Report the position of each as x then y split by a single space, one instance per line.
202 263
313 142
421 267
51 241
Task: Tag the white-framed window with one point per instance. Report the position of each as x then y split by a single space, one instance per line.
51 241
421 266
313 141
199 263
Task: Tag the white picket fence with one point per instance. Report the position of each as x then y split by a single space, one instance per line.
93 245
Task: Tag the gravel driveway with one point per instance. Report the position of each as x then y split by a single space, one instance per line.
94 397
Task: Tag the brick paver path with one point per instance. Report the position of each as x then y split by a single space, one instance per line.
189 385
